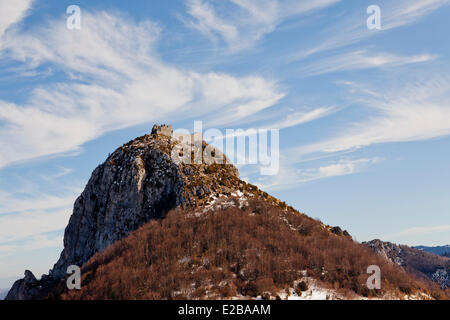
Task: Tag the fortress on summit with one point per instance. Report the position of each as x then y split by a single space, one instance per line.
191 143
164 129
167 130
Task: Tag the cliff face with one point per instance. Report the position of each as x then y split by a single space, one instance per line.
134 185
137 183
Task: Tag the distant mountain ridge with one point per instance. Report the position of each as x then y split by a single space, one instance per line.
440 250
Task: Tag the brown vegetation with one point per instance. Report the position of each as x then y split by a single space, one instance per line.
252 251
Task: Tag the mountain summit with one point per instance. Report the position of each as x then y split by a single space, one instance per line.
148 226
137 182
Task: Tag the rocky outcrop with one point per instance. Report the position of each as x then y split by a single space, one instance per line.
131 187
23 289
389 251
441 276
138 182
339 232
422 263
29 288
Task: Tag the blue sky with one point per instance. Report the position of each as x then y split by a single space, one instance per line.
364 115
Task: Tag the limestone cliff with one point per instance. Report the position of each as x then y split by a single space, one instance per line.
138 182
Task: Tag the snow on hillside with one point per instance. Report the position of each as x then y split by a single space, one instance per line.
314 292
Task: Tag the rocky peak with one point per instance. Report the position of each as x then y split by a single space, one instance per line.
24 289
137 182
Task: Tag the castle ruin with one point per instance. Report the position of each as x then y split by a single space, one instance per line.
167 130
192 142
164 129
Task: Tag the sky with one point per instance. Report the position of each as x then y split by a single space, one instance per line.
363 113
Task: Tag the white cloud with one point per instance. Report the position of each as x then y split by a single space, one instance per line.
406 12
415 112
62 172
290 176
39 241
415 231
32 220
122 83
291 120
209 23
114 80
19 226
394 14
34 253
27 202
361 59
12 12
300 117
244 22
28 213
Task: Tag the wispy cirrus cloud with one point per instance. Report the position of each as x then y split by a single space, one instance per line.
62 171
11 203
28 213
36 252
361 59
415 231
290 176
209 23
12 12
299 117
29 216
117 81
35 242
21 226
33 217
402 13
241 23
394 14
417 111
